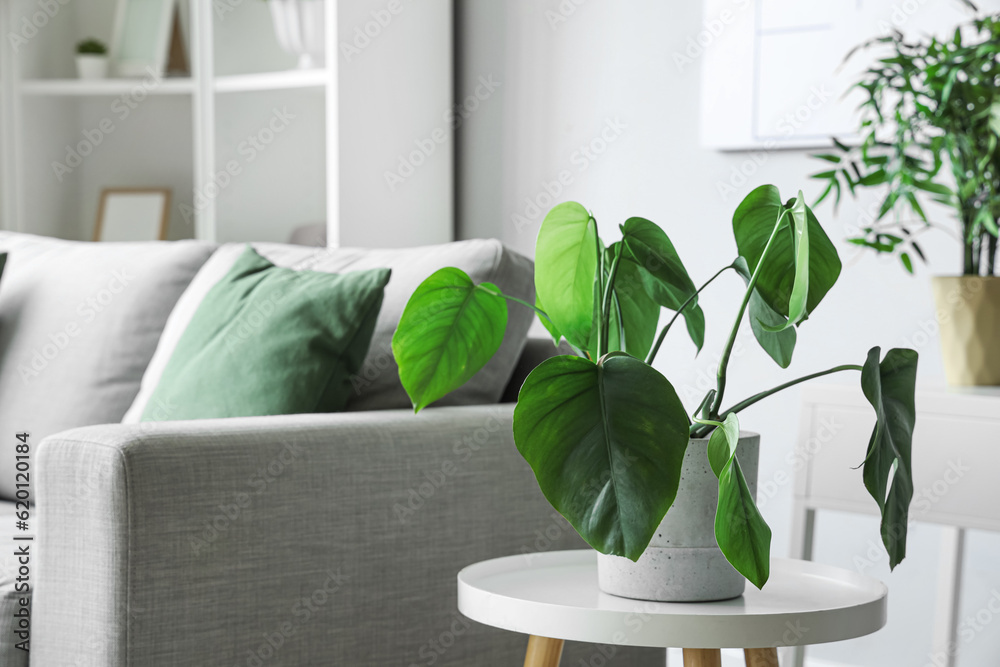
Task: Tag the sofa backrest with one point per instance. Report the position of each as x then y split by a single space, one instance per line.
377 385
78 325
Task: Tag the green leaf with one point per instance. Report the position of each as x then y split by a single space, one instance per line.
694 321
606 442
874 178
752 225
985 218
994 122
932 187
547 323
800 284
566 269
448 331
766 324
907 262
722 443
740 530
647 246
639 313
889 387
650 247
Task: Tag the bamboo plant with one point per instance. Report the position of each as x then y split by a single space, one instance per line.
929 127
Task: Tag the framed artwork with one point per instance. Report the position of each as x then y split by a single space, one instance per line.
142 36
773 71
133 214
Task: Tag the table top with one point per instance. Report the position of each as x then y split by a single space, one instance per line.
555 595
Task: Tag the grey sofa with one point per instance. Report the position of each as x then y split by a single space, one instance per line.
329 539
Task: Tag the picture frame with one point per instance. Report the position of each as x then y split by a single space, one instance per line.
142 37
133 214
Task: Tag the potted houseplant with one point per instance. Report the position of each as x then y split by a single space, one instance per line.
91 59
610 443
929 127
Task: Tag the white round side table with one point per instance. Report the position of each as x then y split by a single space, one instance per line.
554 597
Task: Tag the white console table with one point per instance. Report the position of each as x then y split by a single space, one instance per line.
953 425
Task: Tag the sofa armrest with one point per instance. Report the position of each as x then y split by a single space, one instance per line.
293 540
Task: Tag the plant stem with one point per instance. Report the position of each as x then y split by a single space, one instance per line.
728 351
969 267
990 248
599 249
539 311
747 402
663 332
605 314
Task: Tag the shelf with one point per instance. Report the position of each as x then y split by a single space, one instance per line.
282 80
80 88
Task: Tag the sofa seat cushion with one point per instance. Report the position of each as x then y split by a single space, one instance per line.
376 386
79 323
10 597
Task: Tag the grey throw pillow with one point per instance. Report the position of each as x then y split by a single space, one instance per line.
78 325
376 386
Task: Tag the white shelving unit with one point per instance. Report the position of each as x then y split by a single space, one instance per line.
241 83
49 119
78 88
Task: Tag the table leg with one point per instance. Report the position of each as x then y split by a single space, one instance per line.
702 657
761 657
543 652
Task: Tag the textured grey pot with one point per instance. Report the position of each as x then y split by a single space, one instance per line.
683 563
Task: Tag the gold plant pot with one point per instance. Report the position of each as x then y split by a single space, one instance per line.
968 312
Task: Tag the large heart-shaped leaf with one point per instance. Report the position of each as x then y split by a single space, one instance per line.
606 442
651 248
777 341
740 530
565 270
647 248
753 223
890 387
448 331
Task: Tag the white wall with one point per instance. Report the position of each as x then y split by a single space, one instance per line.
395 95
609 68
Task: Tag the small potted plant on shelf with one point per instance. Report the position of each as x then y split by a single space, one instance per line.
929 125
657 493
91 59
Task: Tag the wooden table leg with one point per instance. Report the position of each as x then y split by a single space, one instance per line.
543 652
702 657
761 657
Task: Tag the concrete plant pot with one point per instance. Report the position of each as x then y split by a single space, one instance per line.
968 313
683 563
91 67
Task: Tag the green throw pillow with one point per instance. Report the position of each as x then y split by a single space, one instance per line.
268 340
